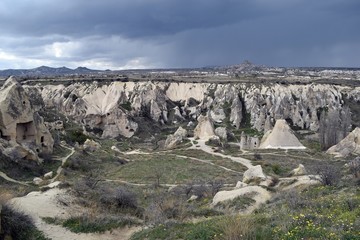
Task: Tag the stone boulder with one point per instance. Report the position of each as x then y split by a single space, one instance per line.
91 145
221 132
174 139
48 175
20 152
280 137
204 129
254 174
38 181
259 194
300 170
349 145
115 149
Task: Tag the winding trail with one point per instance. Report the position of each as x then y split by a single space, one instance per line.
202 146
63 161
206 162
9 179
58 171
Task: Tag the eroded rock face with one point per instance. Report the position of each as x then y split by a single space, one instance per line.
174 139
221 132
116 104
205 128
20 126
349 145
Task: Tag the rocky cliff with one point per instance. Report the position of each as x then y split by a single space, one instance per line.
109 109
22 131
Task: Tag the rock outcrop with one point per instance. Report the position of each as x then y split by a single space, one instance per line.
205 128
91 145
174 139
280 137
254 174
259 194
300 170
236 112
22 130
349 145
221 132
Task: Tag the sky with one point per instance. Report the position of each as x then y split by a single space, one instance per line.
126 34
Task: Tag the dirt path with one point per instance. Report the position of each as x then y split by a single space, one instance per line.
9 179
46 204
202 146
206 162
58 172
63 161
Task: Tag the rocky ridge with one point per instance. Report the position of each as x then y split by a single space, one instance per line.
110 109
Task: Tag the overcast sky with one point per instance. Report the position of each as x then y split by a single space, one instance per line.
118 34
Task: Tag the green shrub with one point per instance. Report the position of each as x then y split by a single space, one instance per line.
126 106
76 135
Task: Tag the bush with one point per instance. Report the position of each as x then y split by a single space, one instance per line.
354 167
18 226
120 197
74 136
164 207
329 175
238 228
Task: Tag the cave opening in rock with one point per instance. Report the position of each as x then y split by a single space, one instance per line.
25 132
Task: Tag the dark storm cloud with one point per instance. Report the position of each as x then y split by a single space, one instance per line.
174 33
132 18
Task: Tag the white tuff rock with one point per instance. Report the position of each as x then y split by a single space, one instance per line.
221 132
20 126
300 170
205 128
254 173
349 145
176 138
48 175
280 137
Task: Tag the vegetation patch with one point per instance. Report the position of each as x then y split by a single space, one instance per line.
168 169
17 225
237 204
92 224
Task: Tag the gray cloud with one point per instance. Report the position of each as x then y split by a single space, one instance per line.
187 33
